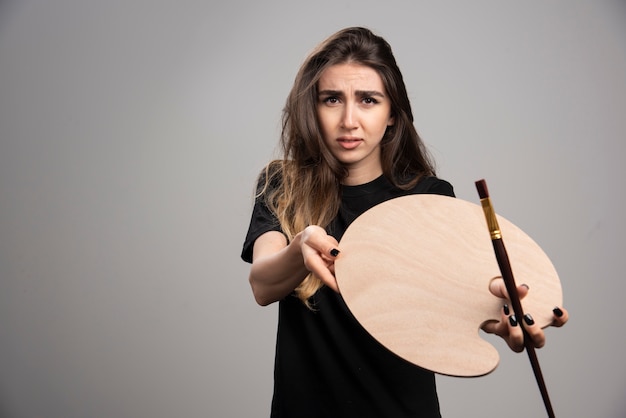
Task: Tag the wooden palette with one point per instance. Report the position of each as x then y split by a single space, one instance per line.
415 273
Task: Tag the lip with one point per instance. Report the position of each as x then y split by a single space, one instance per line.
349 142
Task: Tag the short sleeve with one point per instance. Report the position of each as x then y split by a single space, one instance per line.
263 220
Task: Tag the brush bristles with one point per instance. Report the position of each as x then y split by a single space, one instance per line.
481 186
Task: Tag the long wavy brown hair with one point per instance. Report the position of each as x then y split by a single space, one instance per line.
303 188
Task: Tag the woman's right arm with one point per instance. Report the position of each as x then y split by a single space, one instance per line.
279 267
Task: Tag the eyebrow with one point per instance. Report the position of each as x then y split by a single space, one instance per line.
360 93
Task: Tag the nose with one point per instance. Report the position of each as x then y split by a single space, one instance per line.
349 120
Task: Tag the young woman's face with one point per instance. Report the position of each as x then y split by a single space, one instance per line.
354 112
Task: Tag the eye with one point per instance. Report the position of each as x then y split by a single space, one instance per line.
369 100
331 100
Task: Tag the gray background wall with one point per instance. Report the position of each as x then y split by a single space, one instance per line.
131 133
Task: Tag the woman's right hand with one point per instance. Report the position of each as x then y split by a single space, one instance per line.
278 267
319 251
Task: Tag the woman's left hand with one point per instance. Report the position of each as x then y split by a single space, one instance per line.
510 328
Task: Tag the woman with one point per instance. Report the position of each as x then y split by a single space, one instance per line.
348 144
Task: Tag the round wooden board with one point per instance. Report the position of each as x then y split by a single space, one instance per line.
415 272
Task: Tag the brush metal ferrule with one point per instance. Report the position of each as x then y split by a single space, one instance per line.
490 216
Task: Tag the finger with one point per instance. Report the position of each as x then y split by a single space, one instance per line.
499 328
331 282
561 316
331 267
534 331
516 335
522 290
498 288
492 327
316 238
320 269
327 248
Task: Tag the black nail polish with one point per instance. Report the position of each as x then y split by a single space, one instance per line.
529 319
526 286
513 320
334 252
506 310
557 312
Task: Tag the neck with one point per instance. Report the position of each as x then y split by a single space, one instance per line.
357 177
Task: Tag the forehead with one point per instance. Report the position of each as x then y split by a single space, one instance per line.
350 75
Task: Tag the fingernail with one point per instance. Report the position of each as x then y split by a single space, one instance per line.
334 252
506 310
529 319
526 286
513 320
558 312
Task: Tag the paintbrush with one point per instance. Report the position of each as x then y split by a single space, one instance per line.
509 281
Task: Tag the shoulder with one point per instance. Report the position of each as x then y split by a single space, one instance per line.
270 177
433 185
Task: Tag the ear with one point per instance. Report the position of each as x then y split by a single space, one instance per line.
392 120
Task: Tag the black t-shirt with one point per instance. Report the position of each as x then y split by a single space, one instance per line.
326 364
